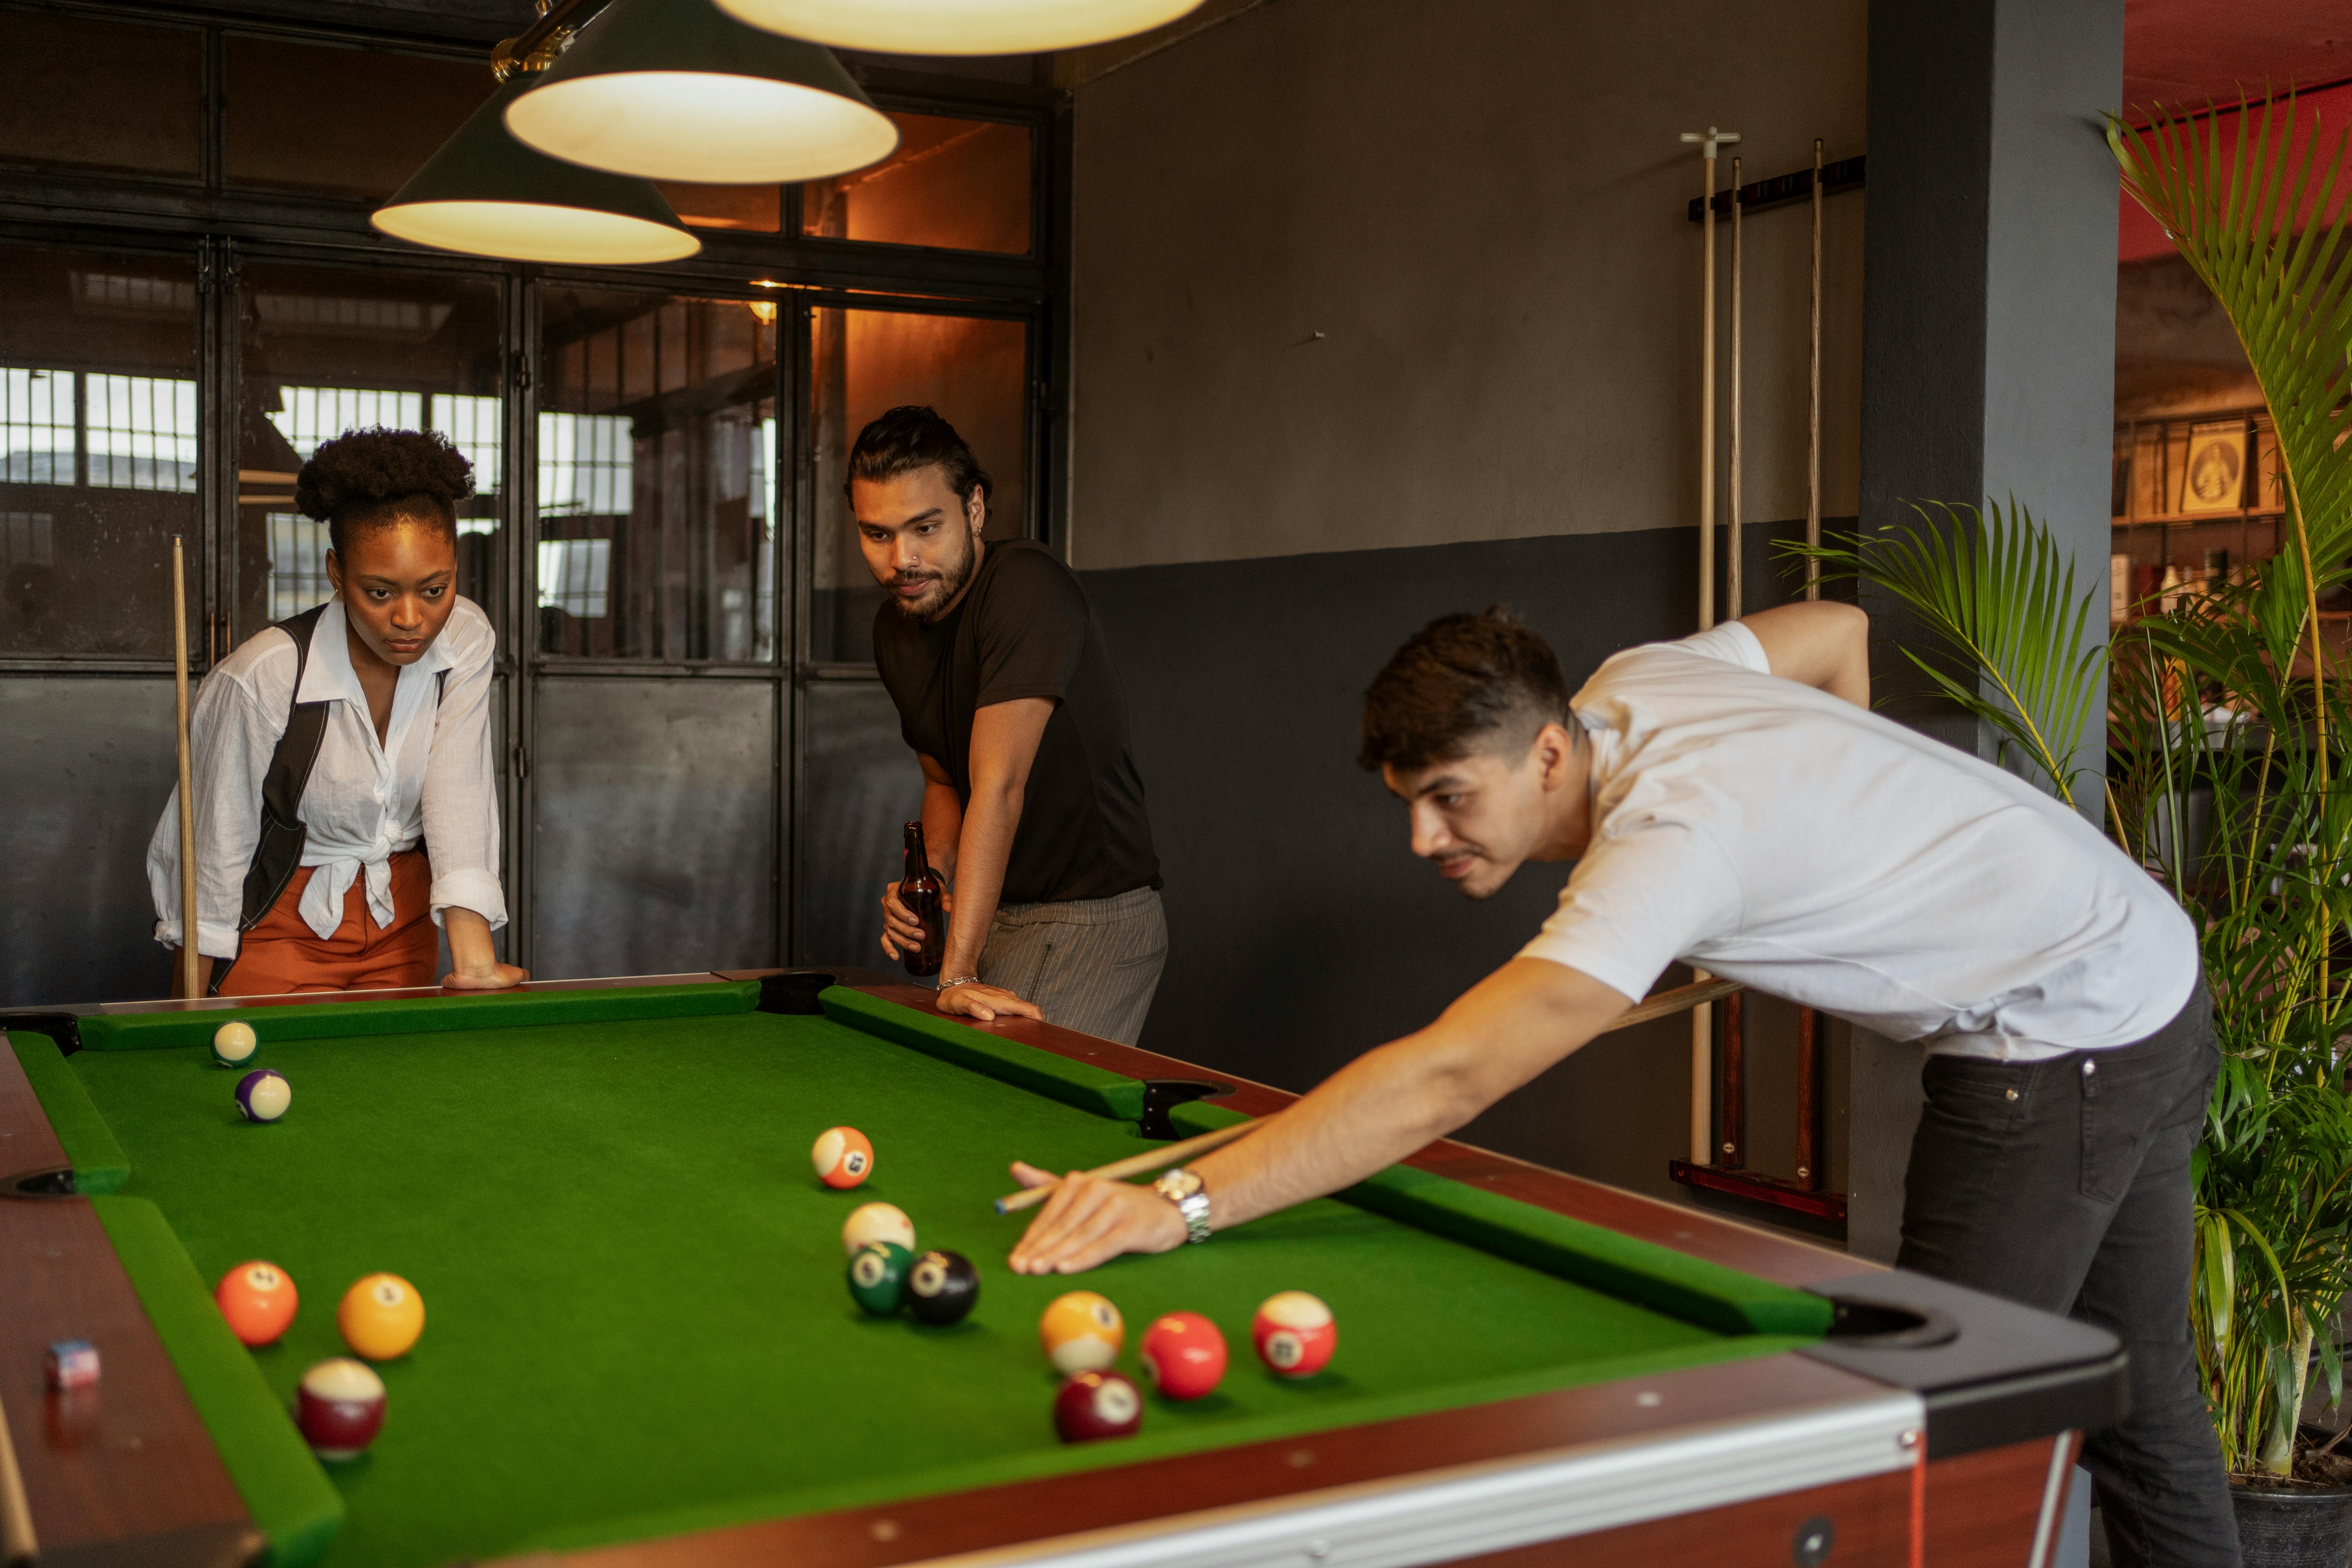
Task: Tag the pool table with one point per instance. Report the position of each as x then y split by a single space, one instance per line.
638 1348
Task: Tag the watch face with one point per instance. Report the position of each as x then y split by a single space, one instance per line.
1178 1185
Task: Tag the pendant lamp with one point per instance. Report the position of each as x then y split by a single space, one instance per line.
676 90
486 194
959 26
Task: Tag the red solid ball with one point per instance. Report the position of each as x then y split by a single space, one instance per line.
1185 1355
340 1408
1094 1404
1295 1334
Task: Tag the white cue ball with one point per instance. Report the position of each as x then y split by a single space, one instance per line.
878 1222
233 1041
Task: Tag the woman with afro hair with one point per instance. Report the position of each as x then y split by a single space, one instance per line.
345 802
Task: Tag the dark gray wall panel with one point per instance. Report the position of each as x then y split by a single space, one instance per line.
657 821
90 765
1301 929
860 786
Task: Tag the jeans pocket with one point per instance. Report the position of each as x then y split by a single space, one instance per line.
2113 1136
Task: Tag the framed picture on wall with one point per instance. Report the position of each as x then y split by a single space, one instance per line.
2214 476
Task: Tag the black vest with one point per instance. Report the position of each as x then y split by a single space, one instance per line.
279 853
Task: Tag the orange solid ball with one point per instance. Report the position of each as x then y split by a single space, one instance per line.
380 1316
259 1301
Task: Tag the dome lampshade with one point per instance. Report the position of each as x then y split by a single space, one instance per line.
676 90
486 194
959 26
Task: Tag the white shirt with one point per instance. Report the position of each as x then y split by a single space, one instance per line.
431 779
1780 836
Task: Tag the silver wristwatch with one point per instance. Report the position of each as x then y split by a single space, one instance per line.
1182 1188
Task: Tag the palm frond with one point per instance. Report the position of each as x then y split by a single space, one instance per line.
1997 595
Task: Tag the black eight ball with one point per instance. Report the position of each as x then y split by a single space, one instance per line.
941 1287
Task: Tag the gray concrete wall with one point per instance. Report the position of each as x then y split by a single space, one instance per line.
1358 274
1988 351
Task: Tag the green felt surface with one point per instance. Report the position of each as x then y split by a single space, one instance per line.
99 1164
418 1015
289 1497
636 1319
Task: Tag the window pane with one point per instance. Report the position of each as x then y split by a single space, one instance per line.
323 351
656 494
100 95
973 371
98 451
958 184
349 122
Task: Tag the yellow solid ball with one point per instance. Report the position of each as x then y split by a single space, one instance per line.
380 1316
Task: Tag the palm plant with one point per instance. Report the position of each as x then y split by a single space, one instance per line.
2226 749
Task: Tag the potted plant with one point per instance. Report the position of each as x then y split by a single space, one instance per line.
2229 740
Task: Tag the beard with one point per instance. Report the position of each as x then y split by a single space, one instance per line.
945 583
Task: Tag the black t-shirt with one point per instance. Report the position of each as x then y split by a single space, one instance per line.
1024 628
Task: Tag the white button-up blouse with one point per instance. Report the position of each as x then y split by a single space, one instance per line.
432 780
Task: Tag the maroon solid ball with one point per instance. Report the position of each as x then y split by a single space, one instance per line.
339 1407
1094 1404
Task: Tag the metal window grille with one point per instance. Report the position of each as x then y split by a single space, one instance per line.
308 416
477 427
36 427
141 432
297 564
573 575
585 465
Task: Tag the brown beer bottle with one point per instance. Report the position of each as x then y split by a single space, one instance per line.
921 893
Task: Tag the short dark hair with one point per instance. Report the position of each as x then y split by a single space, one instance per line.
363 478
1462 683
913 436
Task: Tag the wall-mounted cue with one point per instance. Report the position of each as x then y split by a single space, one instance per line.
189 985
1702 1094
1733 577
1813 397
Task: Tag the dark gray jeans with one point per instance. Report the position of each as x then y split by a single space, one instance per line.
2064 1184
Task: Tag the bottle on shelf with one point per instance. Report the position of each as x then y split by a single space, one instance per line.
924 894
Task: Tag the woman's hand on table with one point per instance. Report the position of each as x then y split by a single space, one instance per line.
985 1002
1090 1221
497 977
477 960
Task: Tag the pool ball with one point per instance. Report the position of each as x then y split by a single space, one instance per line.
942 1286
878 1222
340 1408
381 1316
878 1277
1294 1334
842 1156
233 1042
1184 1353
1081 1332
1093 1405
259 1301
263 1095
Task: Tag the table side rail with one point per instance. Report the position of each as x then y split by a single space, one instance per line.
1472 1509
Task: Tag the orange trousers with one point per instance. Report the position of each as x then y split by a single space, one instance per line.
283 955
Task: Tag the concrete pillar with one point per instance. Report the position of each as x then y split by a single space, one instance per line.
1987 354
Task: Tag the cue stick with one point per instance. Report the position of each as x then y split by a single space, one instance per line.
1658 1006
1702 1101
1813 398
1808 1023
17 1542
1731 543
188 985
